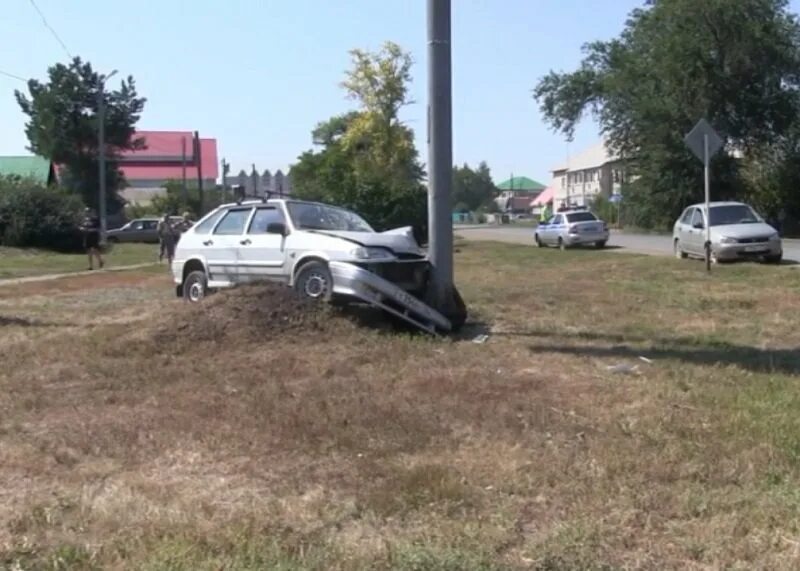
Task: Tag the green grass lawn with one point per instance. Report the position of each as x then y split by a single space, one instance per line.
625 412
20 262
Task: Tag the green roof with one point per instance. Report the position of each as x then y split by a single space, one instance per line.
521 183
37 168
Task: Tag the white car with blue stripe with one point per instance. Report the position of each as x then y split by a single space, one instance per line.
572 228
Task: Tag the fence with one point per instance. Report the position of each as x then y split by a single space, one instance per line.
256 184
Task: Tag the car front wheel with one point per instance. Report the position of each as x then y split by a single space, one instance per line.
314 281
538 241
679 253
195 287
601 244
773 259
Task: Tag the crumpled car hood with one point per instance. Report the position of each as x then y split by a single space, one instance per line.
397 240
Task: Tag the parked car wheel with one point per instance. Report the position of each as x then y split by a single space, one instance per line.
195 287
599 245
773 259
538 241
679 253
314 281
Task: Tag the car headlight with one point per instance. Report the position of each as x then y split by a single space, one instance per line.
727 240
370 253
774 236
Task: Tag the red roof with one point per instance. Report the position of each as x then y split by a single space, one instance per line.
163 157
545 197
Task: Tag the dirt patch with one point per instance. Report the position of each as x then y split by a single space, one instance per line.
246 314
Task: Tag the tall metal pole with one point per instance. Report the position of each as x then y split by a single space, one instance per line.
707 173
101 151
440 156
184 189
198 157
101 155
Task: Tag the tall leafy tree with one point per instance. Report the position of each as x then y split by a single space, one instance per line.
472 188
734 62
367 160
62 125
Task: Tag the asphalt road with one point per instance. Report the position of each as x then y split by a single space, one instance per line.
637 243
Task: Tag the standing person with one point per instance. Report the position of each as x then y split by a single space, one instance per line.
167 235
91 237
544 216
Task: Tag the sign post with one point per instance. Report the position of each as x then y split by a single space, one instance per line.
704 142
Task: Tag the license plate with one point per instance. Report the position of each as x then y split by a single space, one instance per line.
755 249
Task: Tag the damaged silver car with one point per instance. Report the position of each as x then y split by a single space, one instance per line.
321 251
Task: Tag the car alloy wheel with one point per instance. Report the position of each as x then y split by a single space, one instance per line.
314 281
195 287
679 253
315 285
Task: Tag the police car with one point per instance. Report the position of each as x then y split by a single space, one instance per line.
573 227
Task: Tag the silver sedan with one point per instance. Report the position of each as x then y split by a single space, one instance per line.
572 228
737 232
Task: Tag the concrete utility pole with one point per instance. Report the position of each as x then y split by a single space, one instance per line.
442 295
198 157
101 154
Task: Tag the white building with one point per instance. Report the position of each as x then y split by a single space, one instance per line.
596 171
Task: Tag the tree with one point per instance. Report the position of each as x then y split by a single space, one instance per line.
734 62
63 122
473 189
368 161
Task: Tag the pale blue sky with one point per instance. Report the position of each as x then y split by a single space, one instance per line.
259 74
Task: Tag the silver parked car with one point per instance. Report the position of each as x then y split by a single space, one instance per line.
737 232
572 228
139 230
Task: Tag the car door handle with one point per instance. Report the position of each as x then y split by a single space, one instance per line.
246 242
208 243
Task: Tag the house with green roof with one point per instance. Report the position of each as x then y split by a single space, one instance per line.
517 193
34 167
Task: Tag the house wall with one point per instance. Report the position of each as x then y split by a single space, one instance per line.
580 187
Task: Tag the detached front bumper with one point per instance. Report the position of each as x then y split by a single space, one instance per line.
770 249
352 281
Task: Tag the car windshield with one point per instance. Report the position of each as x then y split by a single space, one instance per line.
581 217
308 216
733 214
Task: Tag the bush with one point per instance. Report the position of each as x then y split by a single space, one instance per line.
34 216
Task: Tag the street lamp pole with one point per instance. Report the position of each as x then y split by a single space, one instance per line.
443 294
101 150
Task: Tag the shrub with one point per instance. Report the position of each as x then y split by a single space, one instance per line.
34 216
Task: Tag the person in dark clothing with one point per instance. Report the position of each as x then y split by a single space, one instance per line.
91 238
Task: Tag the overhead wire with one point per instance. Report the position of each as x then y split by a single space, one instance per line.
49 27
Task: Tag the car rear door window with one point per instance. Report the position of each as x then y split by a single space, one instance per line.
206 225
263 218
233 222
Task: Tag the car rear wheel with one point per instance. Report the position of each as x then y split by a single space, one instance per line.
195 287
679 253
314 281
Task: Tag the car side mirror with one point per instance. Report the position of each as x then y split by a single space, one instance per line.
277 228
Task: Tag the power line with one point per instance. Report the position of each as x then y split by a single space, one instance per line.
49 27
12 76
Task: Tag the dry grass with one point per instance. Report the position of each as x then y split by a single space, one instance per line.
353 448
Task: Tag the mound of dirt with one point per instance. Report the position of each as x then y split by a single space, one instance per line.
250 312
